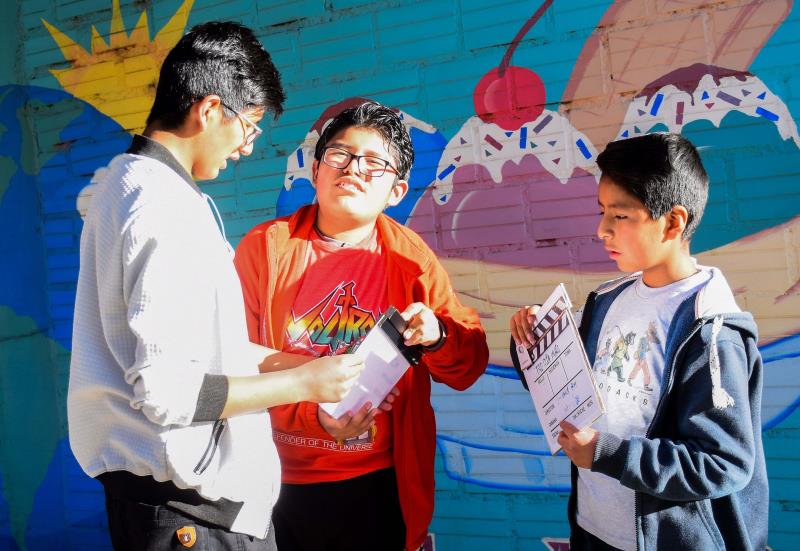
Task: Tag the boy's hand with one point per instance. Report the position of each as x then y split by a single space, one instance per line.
522 325
348 425
330 378
423 326
386 405
579 445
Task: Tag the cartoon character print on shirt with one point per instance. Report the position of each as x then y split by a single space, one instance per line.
626 352
603 358
641 357
620 352
329 328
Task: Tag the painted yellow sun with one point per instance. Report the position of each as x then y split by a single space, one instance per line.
119 78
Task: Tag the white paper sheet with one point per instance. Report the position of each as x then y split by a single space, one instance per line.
384 365
557 370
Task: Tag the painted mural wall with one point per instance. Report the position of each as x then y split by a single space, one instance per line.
508 104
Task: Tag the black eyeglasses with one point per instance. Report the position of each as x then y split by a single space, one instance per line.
245 120
370 166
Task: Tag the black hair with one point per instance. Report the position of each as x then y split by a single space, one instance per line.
662 170
222 58
377 117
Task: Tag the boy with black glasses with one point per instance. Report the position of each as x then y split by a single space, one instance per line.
318 280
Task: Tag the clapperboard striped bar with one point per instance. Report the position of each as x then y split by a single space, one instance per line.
548 330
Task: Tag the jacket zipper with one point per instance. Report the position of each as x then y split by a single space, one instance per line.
213 444
668 379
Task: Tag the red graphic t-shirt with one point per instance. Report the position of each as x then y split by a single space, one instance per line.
342 295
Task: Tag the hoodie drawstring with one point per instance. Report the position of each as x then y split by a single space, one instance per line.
719 395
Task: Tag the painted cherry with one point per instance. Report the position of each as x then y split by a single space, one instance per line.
509 98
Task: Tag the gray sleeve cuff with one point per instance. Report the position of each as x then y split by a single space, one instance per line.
212 398
610 455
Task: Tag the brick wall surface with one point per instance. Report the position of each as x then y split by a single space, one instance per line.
504 243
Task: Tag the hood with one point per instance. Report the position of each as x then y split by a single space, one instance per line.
714 299
714 303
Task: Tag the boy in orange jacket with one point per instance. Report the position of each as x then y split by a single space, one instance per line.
318 280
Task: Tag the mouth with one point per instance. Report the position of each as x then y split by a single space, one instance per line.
350 185
612 253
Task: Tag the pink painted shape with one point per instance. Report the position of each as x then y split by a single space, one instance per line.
557 256
556 544
529 219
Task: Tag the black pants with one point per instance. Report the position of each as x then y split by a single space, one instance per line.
581 540
359 513
141 527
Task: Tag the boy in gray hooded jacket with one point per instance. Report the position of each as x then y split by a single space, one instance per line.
677 459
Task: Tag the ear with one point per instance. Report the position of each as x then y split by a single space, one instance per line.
314 171
396 194
207 110
676 220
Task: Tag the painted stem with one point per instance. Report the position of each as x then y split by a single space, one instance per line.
522 32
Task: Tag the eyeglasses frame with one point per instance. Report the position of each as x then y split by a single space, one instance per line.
257 130
358 162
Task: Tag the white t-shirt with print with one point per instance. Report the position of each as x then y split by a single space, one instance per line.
628 370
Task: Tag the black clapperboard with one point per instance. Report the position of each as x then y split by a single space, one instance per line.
393 325
548 329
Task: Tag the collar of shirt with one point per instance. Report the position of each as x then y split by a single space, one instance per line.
146 147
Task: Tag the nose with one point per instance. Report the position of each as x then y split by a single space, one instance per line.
603 229
352 166
245 149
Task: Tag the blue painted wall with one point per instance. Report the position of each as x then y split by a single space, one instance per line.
495 486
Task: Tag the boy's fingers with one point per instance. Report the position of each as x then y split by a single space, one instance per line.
353 371
363 413
514 333
529 324
568 428
528 335
351 365
518 328
530 321
412 310
526 325
563 441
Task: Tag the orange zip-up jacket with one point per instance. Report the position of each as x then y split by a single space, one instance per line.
270 261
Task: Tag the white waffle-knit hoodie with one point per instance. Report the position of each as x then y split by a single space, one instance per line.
159 306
